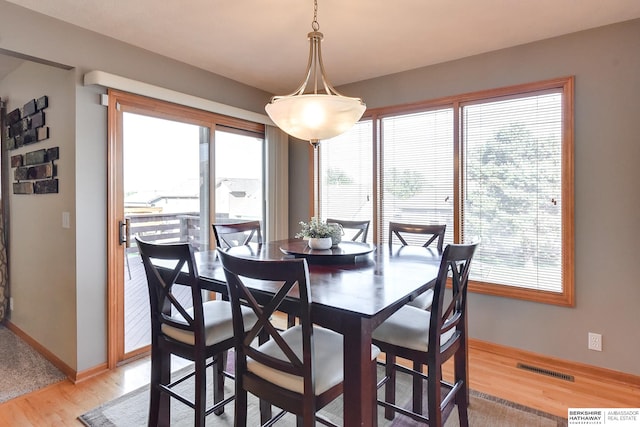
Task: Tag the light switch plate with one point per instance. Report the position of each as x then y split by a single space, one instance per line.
66 220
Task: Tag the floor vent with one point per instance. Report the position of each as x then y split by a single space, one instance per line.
548 372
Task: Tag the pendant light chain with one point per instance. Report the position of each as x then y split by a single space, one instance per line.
315 26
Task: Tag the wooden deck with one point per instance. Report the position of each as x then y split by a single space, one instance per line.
137 319
136 305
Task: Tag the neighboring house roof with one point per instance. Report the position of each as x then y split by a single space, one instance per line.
240 187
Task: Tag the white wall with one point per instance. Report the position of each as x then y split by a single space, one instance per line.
90 224
41 252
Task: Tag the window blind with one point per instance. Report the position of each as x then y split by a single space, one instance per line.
417 170
346 175
512 190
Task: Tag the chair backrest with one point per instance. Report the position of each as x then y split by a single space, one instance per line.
164 265
237 234
431 232
361 228
448 315
282 278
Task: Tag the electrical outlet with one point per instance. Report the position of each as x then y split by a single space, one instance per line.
595 341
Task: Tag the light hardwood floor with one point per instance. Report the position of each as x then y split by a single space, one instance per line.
61 404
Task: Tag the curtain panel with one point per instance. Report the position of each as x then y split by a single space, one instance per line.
277 183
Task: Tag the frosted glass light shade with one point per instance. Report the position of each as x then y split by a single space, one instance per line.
314 117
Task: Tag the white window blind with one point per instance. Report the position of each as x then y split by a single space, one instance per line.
346 175
512 190
417 170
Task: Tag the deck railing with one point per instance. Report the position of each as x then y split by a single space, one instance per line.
164 228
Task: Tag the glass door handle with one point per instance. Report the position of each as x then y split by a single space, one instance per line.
123 232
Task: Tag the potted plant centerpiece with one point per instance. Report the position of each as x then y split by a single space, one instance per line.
320 235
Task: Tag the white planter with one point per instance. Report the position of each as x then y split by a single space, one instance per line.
319 242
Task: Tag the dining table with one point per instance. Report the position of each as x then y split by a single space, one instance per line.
350 294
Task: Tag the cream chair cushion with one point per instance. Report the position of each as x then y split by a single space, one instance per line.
409 328
327 360
217 323
423 300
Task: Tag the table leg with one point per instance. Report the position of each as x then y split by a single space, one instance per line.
359 378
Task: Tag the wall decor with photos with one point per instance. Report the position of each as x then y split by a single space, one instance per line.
35 171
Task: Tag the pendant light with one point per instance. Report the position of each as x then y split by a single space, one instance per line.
320 111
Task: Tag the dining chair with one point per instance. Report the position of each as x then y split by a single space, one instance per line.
237 234
196 333
361 228
418 234
431 338
299 370
403 232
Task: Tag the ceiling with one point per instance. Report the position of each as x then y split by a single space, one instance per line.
263 43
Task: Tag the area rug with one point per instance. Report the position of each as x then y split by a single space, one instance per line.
23 369
131 409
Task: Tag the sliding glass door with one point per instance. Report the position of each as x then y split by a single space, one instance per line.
166 199
239 177
173 172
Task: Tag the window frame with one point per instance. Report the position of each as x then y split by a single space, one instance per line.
565 85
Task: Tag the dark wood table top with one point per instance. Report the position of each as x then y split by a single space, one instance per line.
378 280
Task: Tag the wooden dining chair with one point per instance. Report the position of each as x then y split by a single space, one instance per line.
360 228
299 370
431 338
236 234
196 333
418 234
427 234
